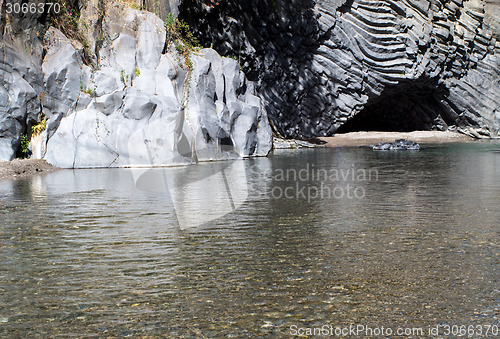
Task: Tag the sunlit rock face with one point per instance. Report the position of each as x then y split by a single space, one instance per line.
131 102
141 107
320 67
328 66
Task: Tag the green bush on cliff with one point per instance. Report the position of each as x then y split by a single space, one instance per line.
23 151
66 20
179 33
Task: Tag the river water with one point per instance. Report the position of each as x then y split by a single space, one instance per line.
259 247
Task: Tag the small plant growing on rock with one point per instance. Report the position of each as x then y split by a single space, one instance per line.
179 33
130 3
89 92
123 77
23 151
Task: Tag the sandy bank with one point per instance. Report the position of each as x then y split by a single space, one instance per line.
25 167
371 138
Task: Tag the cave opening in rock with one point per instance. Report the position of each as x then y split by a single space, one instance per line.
405 107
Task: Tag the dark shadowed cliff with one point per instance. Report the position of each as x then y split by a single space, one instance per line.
330 66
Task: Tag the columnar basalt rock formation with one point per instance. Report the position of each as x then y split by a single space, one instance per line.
329 66
320 67
135 103
140 107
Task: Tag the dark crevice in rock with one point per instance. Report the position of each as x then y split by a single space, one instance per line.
98 31
275 43
3 17
346 7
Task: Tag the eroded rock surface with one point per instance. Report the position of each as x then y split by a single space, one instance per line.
329 66
141 107
320 66
20 77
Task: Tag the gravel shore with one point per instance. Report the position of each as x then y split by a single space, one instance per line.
21 168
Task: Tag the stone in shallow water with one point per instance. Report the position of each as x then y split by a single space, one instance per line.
400 144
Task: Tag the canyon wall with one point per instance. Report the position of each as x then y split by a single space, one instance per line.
315 67
21 80
330 66
127 97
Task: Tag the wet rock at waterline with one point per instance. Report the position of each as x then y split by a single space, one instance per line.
398 145
328 66
141 107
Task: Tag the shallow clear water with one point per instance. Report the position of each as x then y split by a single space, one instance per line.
105 253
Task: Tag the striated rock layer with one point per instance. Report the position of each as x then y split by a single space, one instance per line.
329 66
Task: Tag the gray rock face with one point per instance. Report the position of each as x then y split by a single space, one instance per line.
19 102
20 78
328 66
140 107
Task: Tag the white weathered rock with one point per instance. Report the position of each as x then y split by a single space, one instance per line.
142 108
64 78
